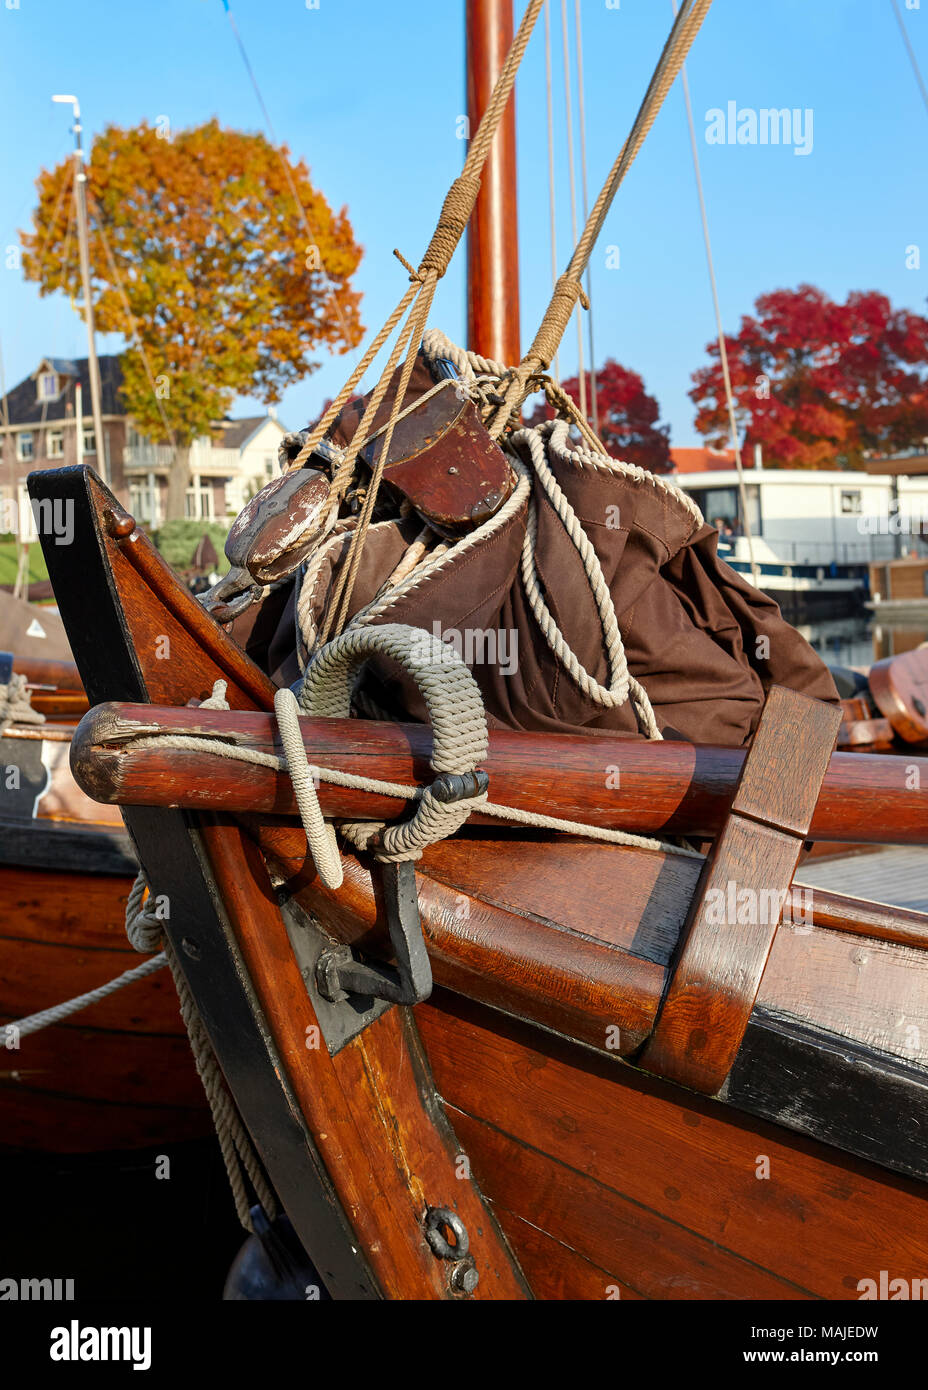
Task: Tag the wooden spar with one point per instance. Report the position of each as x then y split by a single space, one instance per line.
674 788
492 237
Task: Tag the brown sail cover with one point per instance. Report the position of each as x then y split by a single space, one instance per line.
705 644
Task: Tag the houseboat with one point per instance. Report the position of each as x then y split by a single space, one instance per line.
815 533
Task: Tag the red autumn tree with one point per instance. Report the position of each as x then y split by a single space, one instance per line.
818 384
627 416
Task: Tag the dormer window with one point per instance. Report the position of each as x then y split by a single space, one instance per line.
48 386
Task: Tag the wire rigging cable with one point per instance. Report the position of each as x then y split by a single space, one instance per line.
581 106
552 195
288 174
572 177
723 349
911 52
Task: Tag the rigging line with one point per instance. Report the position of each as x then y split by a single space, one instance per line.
552 204
66 250
333 293
146 362
569 286
679 41
723 350
911 52
66 186
572 175
581 105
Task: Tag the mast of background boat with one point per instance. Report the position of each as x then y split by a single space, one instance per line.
93 366
493 234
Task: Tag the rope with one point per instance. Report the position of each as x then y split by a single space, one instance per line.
568 288
455 708
911 52
621 683
550 440
552 188
32 1023
320 836
414 305
145 932
234 1141
581 104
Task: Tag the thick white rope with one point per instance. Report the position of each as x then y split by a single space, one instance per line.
320 835
145 931
455 707
543 442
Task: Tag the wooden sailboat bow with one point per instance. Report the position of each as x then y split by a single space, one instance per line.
241 971
521 1131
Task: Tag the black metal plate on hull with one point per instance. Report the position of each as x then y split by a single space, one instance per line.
168 849
831 1089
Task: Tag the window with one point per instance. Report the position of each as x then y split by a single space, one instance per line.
25 446
724 504
54 444
269 469
199 500
90 442
851 501
144 502
48 386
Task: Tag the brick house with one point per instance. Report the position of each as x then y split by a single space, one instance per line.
39 429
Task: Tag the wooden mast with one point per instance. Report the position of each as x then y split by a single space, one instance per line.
492 238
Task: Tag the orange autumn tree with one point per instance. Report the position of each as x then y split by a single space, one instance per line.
231 263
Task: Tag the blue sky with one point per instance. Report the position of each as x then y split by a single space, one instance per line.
370 91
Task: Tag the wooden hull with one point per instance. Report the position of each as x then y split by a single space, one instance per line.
612 1184
504 1097
119 1074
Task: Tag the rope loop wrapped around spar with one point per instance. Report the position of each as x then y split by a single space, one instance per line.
459 728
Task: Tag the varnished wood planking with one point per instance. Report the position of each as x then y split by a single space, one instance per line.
854 987
821 1221
657 1257
47 1123
555 1272
560 980
87 1064
35 976
607 901
120 1073
64 908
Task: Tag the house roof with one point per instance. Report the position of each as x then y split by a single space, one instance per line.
704 460
26 409
236 433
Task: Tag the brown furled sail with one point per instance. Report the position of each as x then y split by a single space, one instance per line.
511 1096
